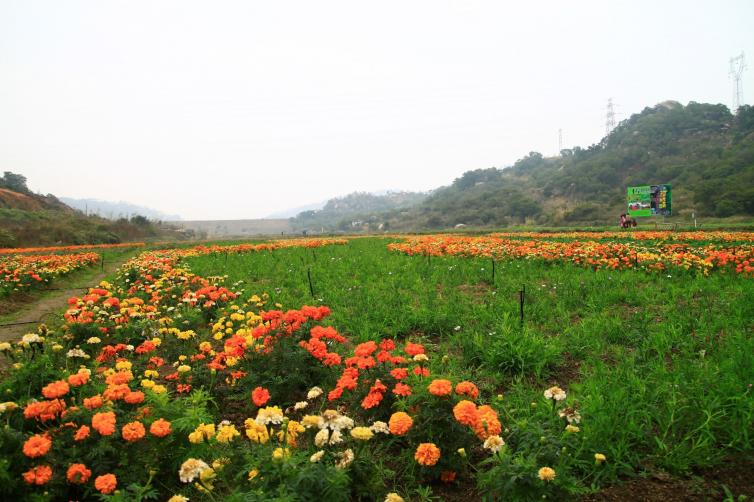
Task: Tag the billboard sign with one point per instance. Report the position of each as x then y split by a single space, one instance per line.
649 200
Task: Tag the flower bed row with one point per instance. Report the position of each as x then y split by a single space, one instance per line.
176 386
592 254
21 272
640 235
54 249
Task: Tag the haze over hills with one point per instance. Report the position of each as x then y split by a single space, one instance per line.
702 150
114 210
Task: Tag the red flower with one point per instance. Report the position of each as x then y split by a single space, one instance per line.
260 396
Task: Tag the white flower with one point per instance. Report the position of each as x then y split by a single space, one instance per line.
346 458
314 393
336 437
77 353
494 443
555 393
321 438
300 405
32 338
379 426
191 469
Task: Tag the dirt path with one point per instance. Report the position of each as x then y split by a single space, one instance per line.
42 309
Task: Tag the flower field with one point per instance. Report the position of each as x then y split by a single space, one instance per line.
329 369
55 249
593 254
24 272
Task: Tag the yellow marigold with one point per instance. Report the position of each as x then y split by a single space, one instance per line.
256 432
393 497
362 433
227 433
202 432
546 474
312 421
280 453
400 423
427 454
599 458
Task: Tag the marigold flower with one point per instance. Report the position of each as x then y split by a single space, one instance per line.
280 453
227 433
346 457
467 389
160 428
134 397
427 454
555 393
466 413
314 393
393 497
78 474
82 433
79 379
92 403
191 469
133 431
106 484
400 423
104 422
440 387
55 390
37 446
401 389
494 443
546 474
362 433
599 458
316 457
488 424
413 349
38 475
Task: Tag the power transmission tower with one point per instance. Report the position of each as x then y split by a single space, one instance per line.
610 118
560 140
737 67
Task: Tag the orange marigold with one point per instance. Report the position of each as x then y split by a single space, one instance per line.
38 475
82 433
55 389
37 446
92 403
107 483
467 389
78 474
133 431
160 428
400 423
413 349
466 413
427 454
134 397
440 387
79 379
489 424
104 422
260 396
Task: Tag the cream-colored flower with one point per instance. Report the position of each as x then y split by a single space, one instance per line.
546 473
555 393
191 469
494 443
317 456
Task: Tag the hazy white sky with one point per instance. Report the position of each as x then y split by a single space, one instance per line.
225 109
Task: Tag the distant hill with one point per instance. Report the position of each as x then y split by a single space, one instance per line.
294 211
704 151
354 211
115 210
29 219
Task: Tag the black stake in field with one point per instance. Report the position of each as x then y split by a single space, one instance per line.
521 300
309 275
493 271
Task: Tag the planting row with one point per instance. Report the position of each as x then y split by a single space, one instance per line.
20 272
54 249
661 235
592 254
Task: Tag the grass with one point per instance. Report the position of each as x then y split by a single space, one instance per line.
660 365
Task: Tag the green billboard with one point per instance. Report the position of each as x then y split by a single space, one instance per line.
649 200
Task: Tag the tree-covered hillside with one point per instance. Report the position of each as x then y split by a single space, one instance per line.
704 151
355 211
